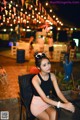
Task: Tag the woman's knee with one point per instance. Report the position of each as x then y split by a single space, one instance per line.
52 114
43 116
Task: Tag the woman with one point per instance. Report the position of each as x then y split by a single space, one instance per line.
41 105
51 48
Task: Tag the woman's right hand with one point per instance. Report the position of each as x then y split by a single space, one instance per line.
68 106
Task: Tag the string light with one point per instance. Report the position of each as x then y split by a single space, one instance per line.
47 4
17 14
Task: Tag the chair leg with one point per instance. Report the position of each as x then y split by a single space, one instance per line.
73 80
21 112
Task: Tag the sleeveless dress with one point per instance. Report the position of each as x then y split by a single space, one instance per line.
37 104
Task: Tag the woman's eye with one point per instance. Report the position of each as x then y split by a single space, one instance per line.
49 63
44 65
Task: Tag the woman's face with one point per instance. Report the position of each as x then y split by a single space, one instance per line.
45 65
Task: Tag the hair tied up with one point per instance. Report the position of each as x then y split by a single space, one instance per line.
40 55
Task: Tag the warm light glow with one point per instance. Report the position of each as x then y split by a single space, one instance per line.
25 12
18 16
27 26
56 18
39 21
16 5
5 7
53 16
75 28
15 13
3 15
9 17
71 29
32 16
10 24
35 9
4 30
18 21
11 29
9 14
1 23
42 16
24 29
39 13
28 30
4 20
47 4
10 11
57 21
58 28
21 9
7 21
9 6
27 21
31 6
50 10
29 15
11 1
61 24
6 12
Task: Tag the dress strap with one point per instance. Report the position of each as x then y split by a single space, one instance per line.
40 77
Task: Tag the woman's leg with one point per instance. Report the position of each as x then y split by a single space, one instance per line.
52 113
49 114
43 116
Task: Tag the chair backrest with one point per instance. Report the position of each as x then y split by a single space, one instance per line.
25 88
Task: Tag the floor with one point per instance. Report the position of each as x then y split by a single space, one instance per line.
9 97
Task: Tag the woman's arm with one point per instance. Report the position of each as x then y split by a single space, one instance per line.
57 89
36 83
66 104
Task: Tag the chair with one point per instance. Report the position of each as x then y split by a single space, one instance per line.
25 95
13 50
72 54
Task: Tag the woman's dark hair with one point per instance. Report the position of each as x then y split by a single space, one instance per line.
39 57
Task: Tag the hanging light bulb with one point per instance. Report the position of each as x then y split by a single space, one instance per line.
50 10
47 4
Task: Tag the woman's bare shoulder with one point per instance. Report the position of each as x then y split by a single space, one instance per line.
52 74
53 77
35 79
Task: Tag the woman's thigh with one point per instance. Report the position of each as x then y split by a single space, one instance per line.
53 115
43 116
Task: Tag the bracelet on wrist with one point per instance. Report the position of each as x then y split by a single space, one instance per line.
58 105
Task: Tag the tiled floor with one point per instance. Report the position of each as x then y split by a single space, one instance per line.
9 92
